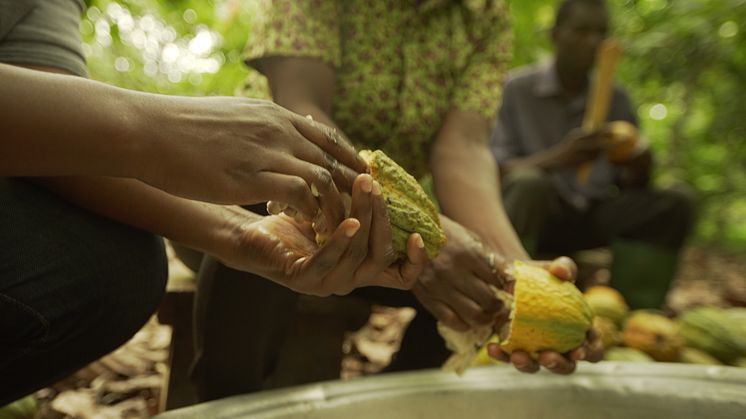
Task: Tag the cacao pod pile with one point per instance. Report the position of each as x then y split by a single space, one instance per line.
702 335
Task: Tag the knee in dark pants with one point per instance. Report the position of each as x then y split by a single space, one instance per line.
88 303
525 189
527 181
133 286
678 214
110 293
526 197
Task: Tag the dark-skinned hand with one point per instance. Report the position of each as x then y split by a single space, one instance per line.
358 253
590 350
455 285
229 150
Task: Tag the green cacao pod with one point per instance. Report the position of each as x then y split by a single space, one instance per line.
738 316
621 354
712 330
740 362
25 408
697 356
654 334
607 302
409 208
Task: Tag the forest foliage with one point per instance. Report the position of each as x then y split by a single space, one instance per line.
684 64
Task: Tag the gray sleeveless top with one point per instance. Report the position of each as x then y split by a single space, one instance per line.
42 32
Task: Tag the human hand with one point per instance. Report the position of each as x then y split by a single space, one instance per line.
591 349
578 147
241 151
357 254
455 285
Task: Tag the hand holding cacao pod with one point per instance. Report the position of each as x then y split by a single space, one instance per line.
358 252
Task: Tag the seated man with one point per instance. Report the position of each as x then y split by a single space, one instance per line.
539 149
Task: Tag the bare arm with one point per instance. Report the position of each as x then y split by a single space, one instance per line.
576 148
467 184
207 227
303 85
50 126
275 247
218 149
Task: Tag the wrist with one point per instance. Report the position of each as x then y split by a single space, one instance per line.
227 240
509 250
549 160
143 123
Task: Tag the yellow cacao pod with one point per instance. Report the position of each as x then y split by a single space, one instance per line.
607 302
607 331
482 357
654 334
546 312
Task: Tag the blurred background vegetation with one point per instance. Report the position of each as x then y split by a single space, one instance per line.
684 65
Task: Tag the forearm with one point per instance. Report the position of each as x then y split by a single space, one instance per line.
63 125
467 186
304 86
544 160
202 226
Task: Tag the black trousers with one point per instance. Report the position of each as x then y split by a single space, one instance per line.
645 229
73 286
662 217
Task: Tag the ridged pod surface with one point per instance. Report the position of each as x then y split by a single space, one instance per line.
409 208
547 313
713 331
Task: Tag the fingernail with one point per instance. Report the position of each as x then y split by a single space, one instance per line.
581 353
419 242
376 188
552 365
314 190
367 185
352 230
274 207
